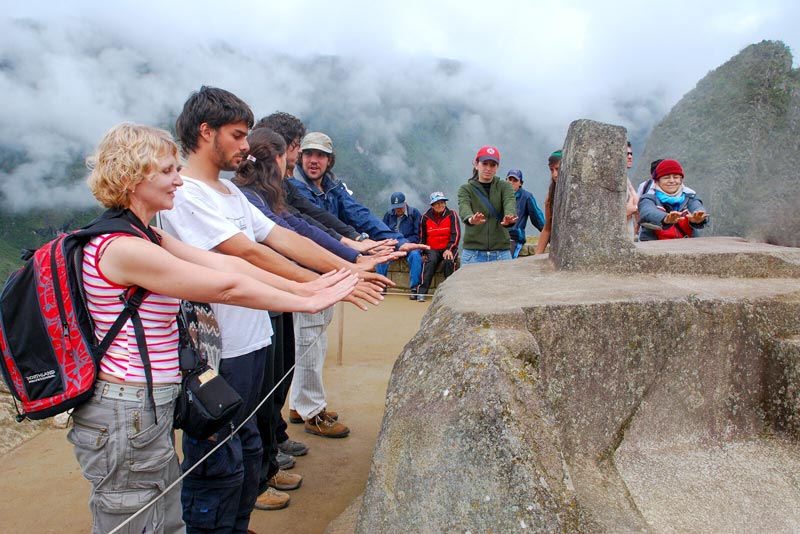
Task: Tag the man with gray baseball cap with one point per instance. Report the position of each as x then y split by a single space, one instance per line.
314 178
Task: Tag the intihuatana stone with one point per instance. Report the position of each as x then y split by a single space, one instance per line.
590 199
656 393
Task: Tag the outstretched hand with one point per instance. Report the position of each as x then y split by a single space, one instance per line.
372 246
324 281
697 217
408 247
509 220
477 218
672 217
366 291
328 296
368 263
375 278
382 249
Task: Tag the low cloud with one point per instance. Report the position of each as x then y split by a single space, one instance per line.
514 76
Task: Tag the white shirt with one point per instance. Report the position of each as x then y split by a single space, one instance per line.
204 218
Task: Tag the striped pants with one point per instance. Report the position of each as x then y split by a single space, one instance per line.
311 344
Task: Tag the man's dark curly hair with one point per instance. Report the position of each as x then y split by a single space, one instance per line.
212 105
288 126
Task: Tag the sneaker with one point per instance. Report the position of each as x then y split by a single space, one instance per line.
420 298
294 448
295 418
272 499
323 425
285 461
284 481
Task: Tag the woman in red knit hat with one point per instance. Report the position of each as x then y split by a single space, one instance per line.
670 210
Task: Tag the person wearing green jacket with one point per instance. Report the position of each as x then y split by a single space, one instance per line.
487 206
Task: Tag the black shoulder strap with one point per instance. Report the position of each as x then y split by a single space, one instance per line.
486 202
118 221
123 221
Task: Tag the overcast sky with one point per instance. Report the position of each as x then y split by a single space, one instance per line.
70 70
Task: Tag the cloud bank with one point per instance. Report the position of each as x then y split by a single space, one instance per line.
510 74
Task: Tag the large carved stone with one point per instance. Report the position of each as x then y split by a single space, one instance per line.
590 198
659 393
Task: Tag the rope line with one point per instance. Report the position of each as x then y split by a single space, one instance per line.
235 430
221 443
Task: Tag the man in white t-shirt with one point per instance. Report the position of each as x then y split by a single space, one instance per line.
211 213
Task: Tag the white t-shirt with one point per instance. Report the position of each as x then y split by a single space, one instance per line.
204 218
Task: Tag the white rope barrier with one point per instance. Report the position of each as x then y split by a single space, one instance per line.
220 444
235 430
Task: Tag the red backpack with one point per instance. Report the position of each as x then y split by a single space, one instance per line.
50 355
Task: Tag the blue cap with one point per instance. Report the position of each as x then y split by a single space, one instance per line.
516 173
398 199
436 196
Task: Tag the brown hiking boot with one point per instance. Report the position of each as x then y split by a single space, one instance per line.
272 499
284 481
324 425
295 418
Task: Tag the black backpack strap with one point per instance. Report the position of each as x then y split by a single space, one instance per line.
132 298
119 221
488 204
138 329
124 221
131 305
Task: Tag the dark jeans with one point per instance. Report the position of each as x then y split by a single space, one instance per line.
218 496
270 422
429 269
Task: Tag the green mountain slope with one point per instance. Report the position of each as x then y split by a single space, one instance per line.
33 229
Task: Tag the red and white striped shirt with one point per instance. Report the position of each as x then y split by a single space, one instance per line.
157 312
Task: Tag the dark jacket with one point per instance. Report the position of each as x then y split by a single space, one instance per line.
526 209
409 223
302 207
334 198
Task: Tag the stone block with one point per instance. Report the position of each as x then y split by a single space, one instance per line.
589 208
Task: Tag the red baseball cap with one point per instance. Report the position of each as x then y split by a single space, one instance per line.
488 152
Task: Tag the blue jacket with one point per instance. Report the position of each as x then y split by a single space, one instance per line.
335 198
526 209
409 222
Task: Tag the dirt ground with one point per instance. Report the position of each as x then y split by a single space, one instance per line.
43 490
